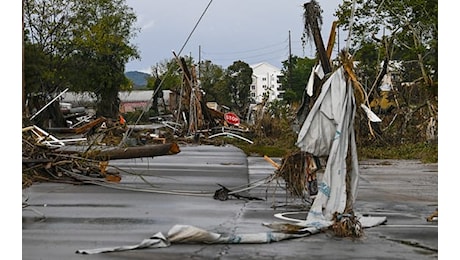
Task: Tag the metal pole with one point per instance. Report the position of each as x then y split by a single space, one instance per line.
54 99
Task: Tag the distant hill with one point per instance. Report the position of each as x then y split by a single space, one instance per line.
138 78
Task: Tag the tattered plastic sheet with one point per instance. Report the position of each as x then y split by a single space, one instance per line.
328 131
182 234
186 234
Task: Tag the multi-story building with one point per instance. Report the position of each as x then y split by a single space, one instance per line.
266 82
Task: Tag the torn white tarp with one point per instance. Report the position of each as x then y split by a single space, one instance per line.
183 234
189 234
318 71
371 115
387 85
328 131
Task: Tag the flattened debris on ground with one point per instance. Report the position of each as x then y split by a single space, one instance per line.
187 234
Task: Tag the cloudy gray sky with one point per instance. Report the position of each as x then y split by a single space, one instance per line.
249 30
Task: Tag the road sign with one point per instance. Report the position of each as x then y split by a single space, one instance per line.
232 118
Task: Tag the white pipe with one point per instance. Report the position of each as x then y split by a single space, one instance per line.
54 99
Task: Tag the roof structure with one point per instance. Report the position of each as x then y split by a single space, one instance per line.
266 64
125 96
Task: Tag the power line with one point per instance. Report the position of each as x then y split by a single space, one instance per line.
249 55
246 51
193 30
128 133
266 52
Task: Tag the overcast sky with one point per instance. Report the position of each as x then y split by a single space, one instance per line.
249 30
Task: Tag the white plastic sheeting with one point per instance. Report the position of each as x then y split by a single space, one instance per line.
328 131
186 234
189 234
387 85
318 71
371 115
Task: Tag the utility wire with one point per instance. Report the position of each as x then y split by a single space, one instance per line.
107 184
261 54
246 51
193 30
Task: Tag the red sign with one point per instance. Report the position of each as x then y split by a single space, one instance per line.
232 118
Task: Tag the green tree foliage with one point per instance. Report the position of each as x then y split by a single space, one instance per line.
45 39
238 79
80 44
405 32
165 75
102 48
168 75
36 69
213 83
408 28
369 56
296 72
45 54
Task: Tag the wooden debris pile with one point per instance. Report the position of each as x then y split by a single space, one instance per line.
48 158
195 117
42 163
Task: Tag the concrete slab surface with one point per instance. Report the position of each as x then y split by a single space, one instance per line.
178 189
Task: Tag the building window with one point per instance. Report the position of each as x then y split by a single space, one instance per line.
264 79
253 94
253 87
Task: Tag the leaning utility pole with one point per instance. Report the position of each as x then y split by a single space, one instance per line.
289 80
312 29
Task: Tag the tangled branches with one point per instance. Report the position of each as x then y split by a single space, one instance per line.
292 172
43 163
346 225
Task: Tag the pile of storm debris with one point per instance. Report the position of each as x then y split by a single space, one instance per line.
193 120
82 153
83 149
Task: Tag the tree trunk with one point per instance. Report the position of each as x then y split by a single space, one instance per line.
426 78
108 103
322 54
135 152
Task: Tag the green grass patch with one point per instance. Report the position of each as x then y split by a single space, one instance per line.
258 149
261 150
425 152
